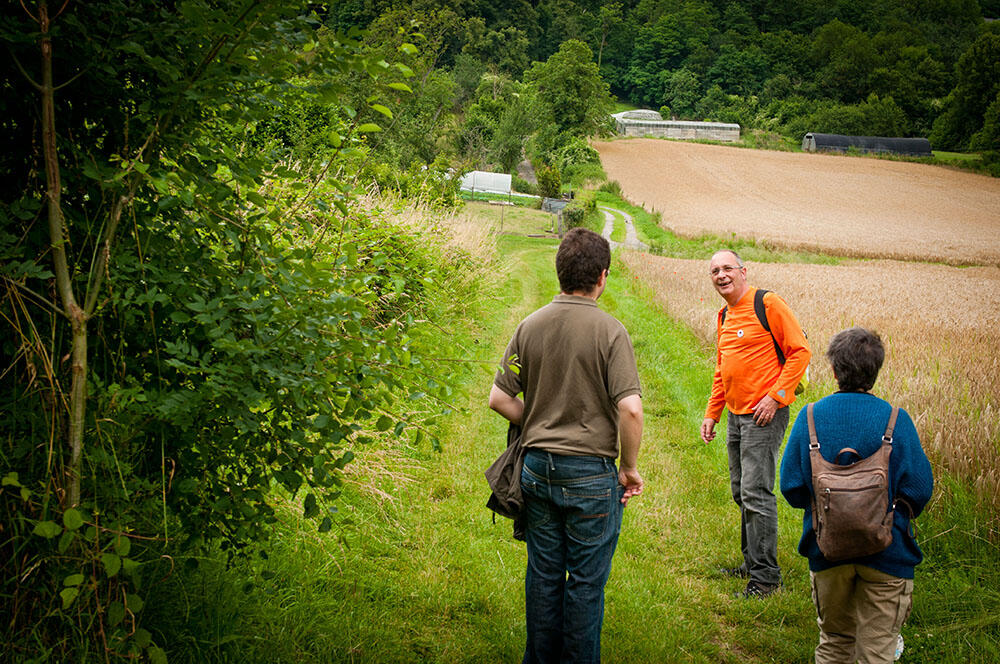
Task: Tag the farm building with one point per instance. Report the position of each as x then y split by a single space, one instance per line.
912 147
650 123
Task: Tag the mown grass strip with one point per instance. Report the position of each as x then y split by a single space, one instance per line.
666 243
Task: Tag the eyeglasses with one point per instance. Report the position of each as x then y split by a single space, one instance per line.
726 269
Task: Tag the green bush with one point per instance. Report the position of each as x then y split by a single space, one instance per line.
576 151
574 215
581 176
549 180
523 186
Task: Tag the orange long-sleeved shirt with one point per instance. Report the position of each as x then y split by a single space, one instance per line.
747 367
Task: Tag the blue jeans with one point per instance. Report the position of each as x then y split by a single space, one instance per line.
753 459
574 515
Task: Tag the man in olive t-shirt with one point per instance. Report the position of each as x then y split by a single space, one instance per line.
576 368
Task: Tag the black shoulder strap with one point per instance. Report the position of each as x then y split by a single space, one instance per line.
758 307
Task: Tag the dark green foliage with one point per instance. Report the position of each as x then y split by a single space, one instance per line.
497 123
874 117
569 91
967 107
251 326
674 54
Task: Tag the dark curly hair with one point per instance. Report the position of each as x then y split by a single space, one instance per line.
582 256
856 355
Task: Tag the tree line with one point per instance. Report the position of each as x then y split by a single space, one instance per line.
916 68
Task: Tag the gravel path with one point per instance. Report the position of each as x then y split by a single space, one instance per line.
631 239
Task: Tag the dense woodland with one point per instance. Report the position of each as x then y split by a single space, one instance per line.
204 310
885 68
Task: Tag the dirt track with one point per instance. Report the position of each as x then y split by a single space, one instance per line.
847 205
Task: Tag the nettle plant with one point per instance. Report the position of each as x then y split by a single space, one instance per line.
197 317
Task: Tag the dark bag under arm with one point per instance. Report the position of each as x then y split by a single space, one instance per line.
504 478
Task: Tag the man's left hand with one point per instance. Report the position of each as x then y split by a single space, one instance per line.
764 411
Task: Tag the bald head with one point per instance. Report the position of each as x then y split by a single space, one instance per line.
728 275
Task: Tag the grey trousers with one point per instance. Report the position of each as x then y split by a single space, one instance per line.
753 463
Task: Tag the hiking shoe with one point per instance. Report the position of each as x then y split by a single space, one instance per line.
756 590
735 571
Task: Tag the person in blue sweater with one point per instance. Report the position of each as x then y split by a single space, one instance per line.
861 603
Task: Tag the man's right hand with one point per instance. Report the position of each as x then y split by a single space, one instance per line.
632 481
708 430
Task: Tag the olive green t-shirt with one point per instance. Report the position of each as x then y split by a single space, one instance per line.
574 363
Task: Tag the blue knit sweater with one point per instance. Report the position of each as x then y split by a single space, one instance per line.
858 420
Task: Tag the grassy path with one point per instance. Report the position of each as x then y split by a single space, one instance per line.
446 584
420 572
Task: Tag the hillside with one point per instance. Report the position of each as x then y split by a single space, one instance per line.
849 206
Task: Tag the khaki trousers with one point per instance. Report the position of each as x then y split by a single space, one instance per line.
860 612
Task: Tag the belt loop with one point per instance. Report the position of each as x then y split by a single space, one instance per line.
552 463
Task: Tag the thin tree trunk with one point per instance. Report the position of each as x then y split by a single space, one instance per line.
76 315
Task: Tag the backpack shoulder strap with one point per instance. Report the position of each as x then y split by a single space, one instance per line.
887 437
758 308
722 316
815 463
813 440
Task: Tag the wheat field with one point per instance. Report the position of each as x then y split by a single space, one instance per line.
940 324
917 223
857 207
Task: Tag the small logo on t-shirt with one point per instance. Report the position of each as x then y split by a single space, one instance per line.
739 333
781 393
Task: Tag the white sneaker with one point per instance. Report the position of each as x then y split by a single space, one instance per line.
899 647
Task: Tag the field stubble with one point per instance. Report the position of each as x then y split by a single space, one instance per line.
941 326
848 206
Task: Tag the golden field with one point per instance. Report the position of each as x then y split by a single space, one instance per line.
941 323
857 207
941 326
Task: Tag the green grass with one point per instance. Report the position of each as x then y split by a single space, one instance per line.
522 200
665 243
427 576
623 106
944 156
525 221
418 572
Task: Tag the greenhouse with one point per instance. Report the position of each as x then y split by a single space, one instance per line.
912 147
649 123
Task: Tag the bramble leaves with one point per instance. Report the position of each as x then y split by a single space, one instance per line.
72 519
47 529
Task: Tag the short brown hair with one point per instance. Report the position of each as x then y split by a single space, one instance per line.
856 355
583 255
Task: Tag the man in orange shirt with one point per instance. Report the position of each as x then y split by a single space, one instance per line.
757 386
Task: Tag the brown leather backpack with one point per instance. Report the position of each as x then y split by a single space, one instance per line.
851 513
